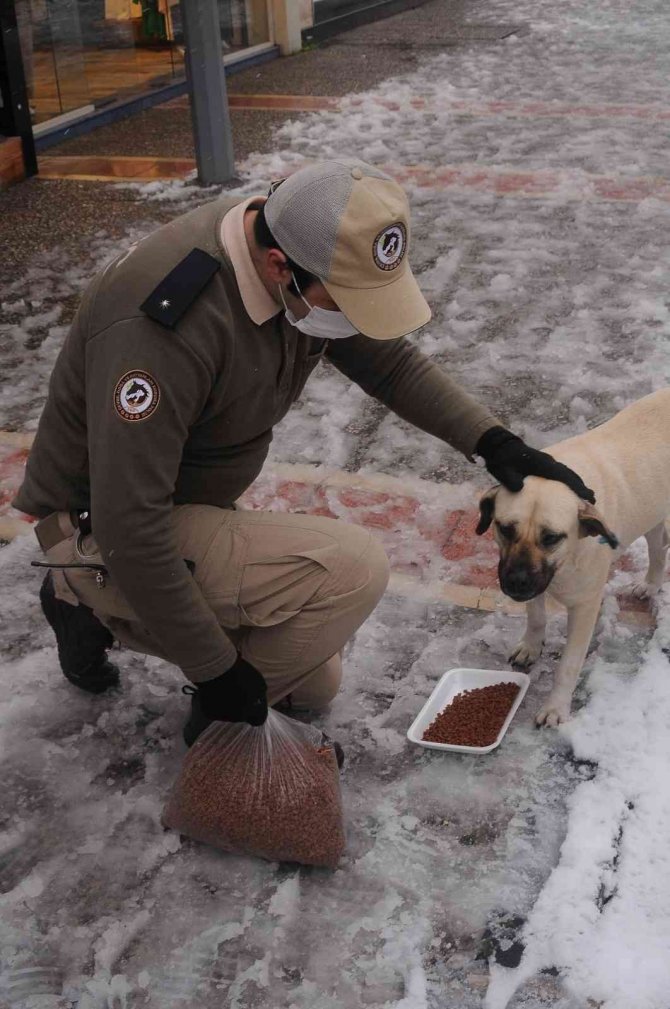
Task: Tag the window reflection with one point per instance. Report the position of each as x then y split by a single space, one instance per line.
78 53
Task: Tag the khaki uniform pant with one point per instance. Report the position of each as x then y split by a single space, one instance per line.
289 589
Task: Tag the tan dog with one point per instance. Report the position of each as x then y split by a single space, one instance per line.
552 541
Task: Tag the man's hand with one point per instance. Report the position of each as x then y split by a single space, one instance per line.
509 460
238 695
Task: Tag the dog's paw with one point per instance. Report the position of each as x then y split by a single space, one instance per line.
645 590
553 713
525 654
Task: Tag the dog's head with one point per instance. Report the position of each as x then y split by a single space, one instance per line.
537 529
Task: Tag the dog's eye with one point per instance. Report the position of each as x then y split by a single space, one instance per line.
551 539
508 532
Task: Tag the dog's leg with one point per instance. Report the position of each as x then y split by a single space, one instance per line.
530 646
658 542
581 623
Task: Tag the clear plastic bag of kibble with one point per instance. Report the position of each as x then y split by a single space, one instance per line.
271 790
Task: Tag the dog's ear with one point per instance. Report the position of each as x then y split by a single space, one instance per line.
591 523
487 504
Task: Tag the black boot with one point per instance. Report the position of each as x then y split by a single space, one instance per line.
82 642
198 722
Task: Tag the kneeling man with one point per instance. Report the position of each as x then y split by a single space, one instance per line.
185 352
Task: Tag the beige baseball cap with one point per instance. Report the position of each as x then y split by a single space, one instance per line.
348 223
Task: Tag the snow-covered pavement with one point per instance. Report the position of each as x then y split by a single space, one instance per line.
550 303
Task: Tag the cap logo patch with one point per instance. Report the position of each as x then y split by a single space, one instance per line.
390 246
136 396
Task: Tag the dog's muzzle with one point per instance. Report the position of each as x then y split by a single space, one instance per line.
521 582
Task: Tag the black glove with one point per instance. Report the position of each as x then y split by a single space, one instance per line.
238 695
509 460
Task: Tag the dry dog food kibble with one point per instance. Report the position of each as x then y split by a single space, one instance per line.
474 717
272 791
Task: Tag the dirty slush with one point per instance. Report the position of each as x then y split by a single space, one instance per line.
474 717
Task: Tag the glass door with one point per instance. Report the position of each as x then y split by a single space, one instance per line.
324 10
68 54
82 53
37 58
244 23
52 52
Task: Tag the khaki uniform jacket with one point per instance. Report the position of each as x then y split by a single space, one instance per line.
215 384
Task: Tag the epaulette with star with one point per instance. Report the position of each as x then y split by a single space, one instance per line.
180 288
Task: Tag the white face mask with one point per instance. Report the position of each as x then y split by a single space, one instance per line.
319 322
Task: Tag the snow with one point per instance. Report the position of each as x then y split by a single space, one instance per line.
602 918
551 308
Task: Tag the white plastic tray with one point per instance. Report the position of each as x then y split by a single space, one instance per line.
455 682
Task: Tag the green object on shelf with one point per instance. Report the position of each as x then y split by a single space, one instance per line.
153 21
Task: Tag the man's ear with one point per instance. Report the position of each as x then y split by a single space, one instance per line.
276 266
487 505
591 523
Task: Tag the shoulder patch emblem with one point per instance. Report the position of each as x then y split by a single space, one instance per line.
390 246
136 396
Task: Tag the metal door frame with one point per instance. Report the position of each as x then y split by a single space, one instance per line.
15 113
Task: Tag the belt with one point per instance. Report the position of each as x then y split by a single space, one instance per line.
59 526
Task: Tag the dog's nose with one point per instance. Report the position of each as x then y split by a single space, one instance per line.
519 582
